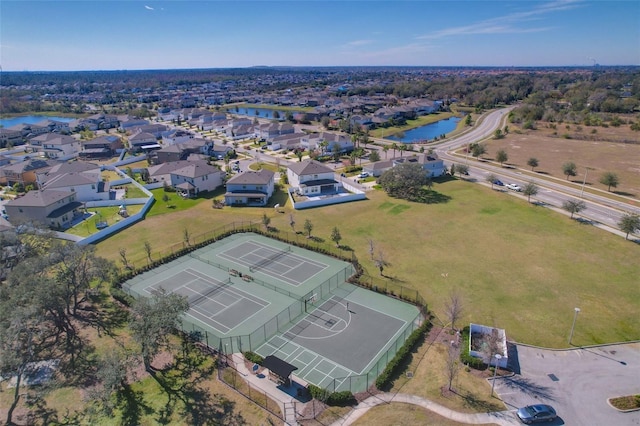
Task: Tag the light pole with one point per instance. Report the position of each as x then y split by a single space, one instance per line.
575 315
584 181
498 357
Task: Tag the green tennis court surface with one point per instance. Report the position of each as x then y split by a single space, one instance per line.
250 293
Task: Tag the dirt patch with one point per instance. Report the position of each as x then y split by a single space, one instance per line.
610 149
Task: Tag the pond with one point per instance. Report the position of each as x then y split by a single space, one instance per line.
259 112
427 132
31 119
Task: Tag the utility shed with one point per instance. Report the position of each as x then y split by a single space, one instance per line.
280 369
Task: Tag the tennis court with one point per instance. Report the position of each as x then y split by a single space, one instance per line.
247 292
214 302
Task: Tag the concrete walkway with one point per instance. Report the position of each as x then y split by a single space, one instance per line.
287 402
503 418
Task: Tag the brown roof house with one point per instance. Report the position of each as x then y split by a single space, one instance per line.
312 178
52 208
189 178
250 188
23 172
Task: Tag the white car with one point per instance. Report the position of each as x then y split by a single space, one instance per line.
363 175
513 187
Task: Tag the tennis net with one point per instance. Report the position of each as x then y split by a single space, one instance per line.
197 298
269 259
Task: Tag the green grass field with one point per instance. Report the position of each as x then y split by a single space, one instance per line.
518 267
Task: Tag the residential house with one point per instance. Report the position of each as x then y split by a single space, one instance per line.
188 177
327 142
127 122
10 136
432 165
95 122
157 130
137 141
312 178
286 142
271 130
55 209
102 147
56 146
250 188
180 151
85 179
177 136
23 172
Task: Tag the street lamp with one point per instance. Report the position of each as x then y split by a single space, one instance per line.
498 357
584 181
575 315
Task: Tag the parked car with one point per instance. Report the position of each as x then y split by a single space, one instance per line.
513 187
536 413
363 175
498 182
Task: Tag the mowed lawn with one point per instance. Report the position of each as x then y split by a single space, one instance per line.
517 266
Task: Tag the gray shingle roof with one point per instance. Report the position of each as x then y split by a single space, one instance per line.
311 167
258 177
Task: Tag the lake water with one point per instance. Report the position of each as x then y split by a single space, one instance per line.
259 112
31 119
427 132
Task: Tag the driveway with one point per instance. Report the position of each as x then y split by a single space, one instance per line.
577 382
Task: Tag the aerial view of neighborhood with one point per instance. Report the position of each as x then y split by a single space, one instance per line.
345 238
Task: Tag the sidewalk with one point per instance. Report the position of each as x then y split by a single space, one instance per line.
503 418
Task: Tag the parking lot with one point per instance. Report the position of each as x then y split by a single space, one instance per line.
576 382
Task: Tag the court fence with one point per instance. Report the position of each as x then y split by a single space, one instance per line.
229 375
354 273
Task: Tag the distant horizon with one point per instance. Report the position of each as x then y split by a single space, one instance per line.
79 35
284 67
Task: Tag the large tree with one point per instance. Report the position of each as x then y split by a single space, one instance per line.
454 308
404 180
629 223
532 162
501 156
574 206
153 319
529 190
569 169
610 179
491 178
478 149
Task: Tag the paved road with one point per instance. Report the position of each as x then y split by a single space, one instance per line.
600 210
577 382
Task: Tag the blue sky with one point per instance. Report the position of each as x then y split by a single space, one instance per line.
146 34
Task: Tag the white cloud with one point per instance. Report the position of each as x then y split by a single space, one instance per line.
356 43
507 24
148 7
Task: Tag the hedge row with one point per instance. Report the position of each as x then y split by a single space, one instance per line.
397 362
122 297
342 398
465 356
254 357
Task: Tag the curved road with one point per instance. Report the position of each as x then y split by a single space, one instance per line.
552 192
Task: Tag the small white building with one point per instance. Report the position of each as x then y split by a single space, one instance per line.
480 336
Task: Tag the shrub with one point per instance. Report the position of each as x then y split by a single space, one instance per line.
394 365
318 393
342 399
465 356
122 297
254 357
